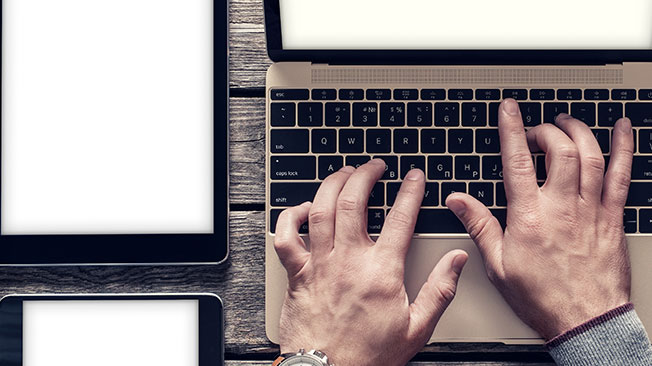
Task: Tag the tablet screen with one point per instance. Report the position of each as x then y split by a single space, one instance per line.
107 117
111 332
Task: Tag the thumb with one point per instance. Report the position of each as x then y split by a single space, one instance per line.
482 226
436 294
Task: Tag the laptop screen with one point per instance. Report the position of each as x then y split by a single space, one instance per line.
465 24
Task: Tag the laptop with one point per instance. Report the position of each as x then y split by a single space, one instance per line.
418 84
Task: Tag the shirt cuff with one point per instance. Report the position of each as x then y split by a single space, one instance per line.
616 337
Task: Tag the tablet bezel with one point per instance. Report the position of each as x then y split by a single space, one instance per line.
134 249
210 322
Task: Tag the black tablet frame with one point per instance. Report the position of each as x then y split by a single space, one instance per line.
439 57
210 323
105 249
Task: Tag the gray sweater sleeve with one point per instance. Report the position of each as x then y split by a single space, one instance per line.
614 338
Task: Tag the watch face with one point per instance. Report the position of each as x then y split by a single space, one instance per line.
302 361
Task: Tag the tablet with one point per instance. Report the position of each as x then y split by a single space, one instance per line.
109 330
114 139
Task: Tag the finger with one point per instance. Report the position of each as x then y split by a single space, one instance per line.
482 226
321 220
435 295
351 211
518 168
617 179
396 234
561 151
591 159
291 249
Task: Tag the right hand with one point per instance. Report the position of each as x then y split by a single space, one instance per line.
562 259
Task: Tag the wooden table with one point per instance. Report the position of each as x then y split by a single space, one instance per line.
239 281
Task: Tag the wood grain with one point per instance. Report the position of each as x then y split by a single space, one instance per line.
248 52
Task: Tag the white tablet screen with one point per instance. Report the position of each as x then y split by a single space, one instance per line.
107 117
466 24
110 333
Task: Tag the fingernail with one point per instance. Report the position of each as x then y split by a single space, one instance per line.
378 161
458 263
510 107
458 207
347 169
414 174
626 125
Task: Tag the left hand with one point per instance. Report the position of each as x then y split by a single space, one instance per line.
346 295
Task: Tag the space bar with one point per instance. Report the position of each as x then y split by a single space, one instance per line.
438 221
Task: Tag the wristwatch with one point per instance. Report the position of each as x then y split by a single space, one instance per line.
302 358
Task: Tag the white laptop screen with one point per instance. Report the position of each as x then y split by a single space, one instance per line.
465 24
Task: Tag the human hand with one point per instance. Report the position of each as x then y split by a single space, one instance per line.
346 296
562 259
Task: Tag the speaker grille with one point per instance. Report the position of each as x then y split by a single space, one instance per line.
494 76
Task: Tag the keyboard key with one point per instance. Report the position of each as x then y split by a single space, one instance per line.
518 94
356 160
292 194
324 94
289 141
551 110
460 94
379 94
467 167
412 162
450 187
293 167
392 114
640 194
310 114
460 141
419 114
377 195
431 194
542 94
642 168
290 94
569 94
602 136
584 112
629 220
501 198
540 162
440 167
406 141
329 165
531 113
487 141
273 219
493 114
351 141
447 114
433 94
282 114
323 141
338 114
379 141
596 94
623 94
351 94
492 167
406 94
639 113
645 221
433 140
483 192
487 94
391 167
375 220
365 114
392 192
645 94
438 221
474 114
609 113
645 141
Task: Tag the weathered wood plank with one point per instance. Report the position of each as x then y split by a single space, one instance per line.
247 46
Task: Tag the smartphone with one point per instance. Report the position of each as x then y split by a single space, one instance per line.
109 330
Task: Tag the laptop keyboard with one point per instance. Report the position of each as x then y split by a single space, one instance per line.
450 134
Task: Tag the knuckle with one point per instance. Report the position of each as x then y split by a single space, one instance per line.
621 182
281 245
477 227
594 162
521 164
399 218
348 203
568 153
319 215
445 291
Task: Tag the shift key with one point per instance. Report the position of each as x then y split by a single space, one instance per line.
292 194
640 194
293 167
